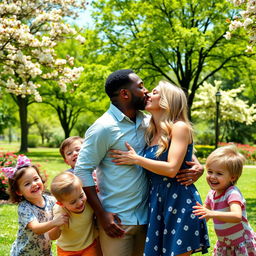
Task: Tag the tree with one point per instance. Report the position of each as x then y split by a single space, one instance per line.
85 96
29 33
180 41
233 108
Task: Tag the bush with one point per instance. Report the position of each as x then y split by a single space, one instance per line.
55 141
203 151
6 160
248 151
33 140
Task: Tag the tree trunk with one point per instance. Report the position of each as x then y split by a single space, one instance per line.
23 113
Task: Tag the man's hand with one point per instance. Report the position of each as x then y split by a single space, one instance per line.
187 177
111 224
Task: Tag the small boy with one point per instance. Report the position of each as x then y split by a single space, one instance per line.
79 236
69 150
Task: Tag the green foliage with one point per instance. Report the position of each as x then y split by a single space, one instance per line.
203 151
179 41
33 140
55 141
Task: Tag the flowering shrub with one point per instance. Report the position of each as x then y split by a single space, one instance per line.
203 151
248 151
6 160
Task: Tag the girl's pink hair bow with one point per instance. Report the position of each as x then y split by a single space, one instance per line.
22 161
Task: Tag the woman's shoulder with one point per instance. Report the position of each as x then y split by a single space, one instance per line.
180 125
182 130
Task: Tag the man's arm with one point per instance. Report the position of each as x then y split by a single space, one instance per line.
187 177
108 220
93 150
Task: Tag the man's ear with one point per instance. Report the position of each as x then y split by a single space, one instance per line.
124 93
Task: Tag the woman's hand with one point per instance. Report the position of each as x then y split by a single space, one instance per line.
124 157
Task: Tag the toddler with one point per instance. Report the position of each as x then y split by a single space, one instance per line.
69 150
26 187
226 205
78 237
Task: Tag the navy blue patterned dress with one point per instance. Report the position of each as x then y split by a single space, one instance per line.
173 228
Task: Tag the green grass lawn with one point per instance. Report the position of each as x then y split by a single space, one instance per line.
51 161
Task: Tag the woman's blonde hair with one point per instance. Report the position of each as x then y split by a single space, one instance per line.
63 184
173 100
229 158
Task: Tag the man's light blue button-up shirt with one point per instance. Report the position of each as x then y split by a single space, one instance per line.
123 189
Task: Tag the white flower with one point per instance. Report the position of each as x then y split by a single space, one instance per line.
80 38
227 35
247 22
179 242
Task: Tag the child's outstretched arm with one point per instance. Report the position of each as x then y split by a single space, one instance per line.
41 228
233 216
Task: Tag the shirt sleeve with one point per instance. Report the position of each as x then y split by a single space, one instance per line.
235 196
25 214
93 150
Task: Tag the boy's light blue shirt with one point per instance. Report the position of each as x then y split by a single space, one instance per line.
123 189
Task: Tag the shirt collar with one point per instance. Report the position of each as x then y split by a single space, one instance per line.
119 115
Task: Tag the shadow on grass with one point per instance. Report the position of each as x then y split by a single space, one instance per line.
44 154
251 210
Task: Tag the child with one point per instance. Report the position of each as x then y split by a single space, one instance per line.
26 187
226 205
69 150
79 236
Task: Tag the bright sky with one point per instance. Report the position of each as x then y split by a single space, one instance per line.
84 19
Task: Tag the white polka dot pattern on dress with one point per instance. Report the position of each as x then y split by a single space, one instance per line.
179 242
185 228
196 233
165 231
174 196
173 231
183 210
157 233
192 216
179 220
170 209
189 201
158 217
156 248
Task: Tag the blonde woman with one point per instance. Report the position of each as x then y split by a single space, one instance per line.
173 228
